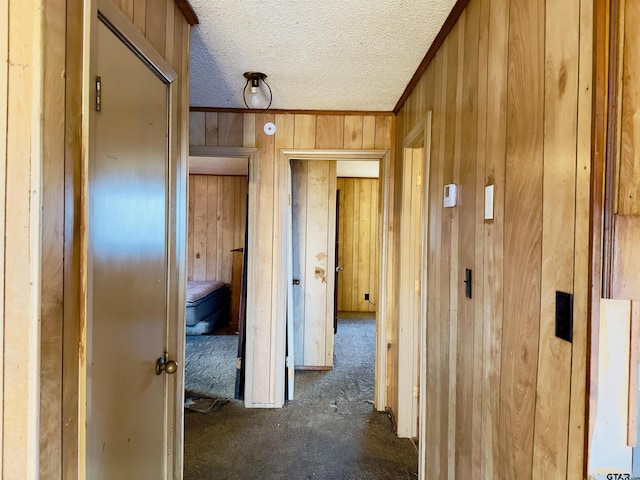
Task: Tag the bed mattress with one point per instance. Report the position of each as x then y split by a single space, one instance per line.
206 299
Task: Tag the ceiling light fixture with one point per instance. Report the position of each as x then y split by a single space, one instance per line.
257 95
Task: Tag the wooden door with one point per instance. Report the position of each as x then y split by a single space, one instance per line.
313 261
127 424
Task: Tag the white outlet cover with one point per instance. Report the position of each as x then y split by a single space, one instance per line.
269 128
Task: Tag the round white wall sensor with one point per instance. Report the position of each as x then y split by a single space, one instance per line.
269 128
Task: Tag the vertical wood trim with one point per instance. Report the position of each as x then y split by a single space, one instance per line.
140 15
353 131
155 24
4 91
368 132
22 247
576 453
634 358
52 242
197 128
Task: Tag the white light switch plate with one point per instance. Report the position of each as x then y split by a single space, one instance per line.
488 202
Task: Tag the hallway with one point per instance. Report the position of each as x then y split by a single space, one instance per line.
330 431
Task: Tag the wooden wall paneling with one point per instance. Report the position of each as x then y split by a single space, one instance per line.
21 169
634 359
199 228
4 81
330 131
562 27
72 246
356 293
304 131
230 129
155 23
479 288
264 331
467 351
433 386
211 198
455 280
140 15
581 282
238 217
447 437
249 130
364 245
625 284
211 129
190 226
629 175
417 177
228 225
220 219
353 132
347 199
126 6
523 227
299 178
374 251
197 128
368 132
493 308
383 132
52 243
169 28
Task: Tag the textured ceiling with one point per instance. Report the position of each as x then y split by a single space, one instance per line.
318 54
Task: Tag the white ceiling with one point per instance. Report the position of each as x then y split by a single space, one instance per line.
318 54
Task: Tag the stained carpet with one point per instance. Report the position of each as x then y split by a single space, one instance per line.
329 431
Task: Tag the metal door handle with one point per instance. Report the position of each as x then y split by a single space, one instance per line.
296 281
339 269
165 365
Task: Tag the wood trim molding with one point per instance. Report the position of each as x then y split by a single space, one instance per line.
299 112
187 11
451 20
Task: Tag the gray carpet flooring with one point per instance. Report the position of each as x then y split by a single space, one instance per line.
210 365
329 431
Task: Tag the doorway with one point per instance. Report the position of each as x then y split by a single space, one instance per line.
285 267
216 244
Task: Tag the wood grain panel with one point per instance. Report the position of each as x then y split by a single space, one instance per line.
21 168
466 355
493 309
562 27
197 128
305 131
299 178
230 130
155 23
211 129
51 328
218 224
625 283
383 132
330 131
629 176
353 131
140 15
361 239
368 131
523 229
4 120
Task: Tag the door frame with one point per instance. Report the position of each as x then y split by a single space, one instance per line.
282 240
105 11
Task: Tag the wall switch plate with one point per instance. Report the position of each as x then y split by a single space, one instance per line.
468 283
564 316
450 195
488 202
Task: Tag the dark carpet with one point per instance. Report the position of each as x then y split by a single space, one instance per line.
329 431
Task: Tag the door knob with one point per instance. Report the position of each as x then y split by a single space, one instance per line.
296 281
339 269
165 365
